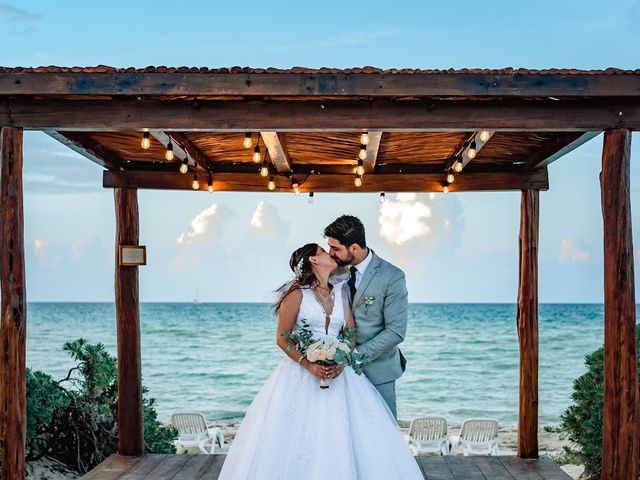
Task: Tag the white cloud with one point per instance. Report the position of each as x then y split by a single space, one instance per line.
572 251
80 246
265 221
404 219
38 248
201 225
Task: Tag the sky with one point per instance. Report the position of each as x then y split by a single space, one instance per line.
234 247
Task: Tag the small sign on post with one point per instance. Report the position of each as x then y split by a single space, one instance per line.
132 255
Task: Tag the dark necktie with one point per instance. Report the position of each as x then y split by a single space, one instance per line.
352 282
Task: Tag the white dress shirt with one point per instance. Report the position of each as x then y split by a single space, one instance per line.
362 267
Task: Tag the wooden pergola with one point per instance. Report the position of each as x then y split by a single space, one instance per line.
426 131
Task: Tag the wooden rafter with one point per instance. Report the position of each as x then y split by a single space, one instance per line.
375 182
372 151
88 148
321 84
308 116
194 152
562 145
277 149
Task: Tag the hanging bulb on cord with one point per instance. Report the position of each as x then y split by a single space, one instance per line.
272 184
381 197
471 153
247 140
256 154
484 135
146 141
364 138
210 184
450 177
360 168
358 181
457 167
363 152
184 168
195 184
169 153
264 170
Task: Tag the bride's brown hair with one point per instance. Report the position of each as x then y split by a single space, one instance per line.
305 278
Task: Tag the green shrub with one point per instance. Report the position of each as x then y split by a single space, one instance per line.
74 420
582 421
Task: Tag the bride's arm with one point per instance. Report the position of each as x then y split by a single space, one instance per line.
287 316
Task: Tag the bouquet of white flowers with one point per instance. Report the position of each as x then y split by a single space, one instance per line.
327 351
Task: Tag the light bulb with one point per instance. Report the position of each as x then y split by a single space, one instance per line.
363 152
210 184
247 140
364 139
310 197
381 197
169 153
296 188
184 168
484 135
450 178
471 153
272 184
358 181
256 154
445 189
264 170
457 167
146 141
360 168
195 184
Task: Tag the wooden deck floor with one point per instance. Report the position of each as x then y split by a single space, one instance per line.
194 467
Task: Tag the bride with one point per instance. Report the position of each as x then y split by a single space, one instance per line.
293 429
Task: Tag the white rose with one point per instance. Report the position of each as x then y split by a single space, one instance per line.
344 347
321 355
331 352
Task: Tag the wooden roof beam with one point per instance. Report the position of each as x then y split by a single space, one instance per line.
194 152
277 149
372 151
536 180
559 147
86 146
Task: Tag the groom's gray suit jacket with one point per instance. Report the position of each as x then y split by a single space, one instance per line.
380 310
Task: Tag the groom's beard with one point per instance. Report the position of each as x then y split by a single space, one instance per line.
344 263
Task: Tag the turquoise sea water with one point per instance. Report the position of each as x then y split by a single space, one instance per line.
462 358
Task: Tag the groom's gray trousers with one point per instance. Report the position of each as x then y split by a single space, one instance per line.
388 392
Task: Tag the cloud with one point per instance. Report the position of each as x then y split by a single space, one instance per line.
80 246
266 222
405 219
201 225
18 19
572 251
38 248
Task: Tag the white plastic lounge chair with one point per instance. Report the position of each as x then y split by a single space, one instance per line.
193 432
428 435
477 437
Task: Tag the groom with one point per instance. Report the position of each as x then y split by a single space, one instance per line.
379 302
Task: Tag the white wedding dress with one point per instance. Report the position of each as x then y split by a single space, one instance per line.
294 430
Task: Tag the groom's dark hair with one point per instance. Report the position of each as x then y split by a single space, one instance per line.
348 230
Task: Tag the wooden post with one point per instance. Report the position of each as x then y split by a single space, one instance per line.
528 324
13 406
620 422
130 419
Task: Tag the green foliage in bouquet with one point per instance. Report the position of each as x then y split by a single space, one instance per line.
582 421
302 338
74 420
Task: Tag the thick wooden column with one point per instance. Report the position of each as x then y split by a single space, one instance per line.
13 406
620 422
130 419
528 324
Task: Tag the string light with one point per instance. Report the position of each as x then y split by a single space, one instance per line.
381 197
450 178
364 138
445 188
210 184
247 140
310 197
195 184
457 166
272 184
471 153
169 153
360 168
363 152
484 135
295 186
264 170
256 154
184 168
146 141
358 181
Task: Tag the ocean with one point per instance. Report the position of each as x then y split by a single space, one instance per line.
462 358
